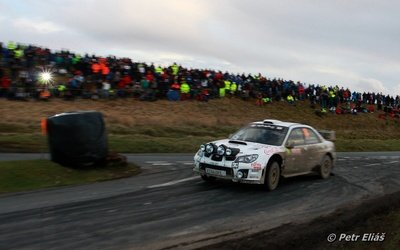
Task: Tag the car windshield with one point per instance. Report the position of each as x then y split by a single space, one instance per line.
262 133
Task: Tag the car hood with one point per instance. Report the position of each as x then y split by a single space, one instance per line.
250 148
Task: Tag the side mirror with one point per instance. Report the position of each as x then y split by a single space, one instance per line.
289 144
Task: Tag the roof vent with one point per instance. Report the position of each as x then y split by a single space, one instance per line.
270 121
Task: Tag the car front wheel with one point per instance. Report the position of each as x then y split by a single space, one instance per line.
326 167
272 176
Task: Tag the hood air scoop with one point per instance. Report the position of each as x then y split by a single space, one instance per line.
237 142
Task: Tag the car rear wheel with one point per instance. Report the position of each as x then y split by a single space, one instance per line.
207 178
326 167
272 176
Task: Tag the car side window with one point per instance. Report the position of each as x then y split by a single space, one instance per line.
296 137
310 136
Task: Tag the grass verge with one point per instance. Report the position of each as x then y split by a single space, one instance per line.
35 174
169 127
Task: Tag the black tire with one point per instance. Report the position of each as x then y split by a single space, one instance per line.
208 178
326 167
272 176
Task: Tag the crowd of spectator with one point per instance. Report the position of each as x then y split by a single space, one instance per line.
93 77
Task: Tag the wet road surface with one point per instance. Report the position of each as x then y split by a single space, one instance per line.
167 207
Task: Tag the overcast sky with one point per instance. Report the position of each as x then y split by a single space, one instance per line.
352 44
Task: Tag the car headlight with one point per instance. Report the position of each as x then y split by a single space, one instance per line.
228 151
200 153
209 148
247 158
202 147
221 150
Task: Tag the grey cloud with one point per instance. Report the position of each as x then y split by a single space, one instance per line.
355 39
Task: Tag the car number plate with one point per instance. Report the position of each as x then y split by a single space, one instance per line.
215 172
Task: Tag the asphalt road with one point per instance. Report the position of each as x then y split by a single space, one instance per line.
167 207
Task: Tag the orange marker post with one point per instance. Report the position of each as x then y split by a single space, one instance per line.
43 125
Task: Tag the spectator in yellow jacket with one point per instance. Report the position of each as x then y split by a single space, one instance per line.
185 91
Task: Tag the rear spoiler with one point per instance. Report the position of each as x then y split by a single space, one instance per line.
329 135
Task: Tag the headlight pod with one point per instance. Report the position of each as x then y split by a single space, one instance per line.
247 158
200 153
221 150
210 148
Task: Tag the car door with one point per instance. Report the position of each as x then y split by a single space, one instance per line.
315 148
296 155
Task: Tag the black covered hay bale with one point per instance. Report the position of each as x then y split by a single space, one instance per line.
77 139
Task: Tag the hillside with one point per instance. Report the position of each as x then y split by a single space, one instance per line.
163 126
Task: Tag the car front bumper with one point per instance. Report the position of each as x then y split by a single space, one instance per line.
228 170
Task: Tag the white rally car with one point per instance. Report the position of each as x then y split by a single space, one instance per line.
263 151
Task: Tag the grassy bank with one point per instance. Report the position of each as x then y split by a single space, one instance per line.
163 126
35 174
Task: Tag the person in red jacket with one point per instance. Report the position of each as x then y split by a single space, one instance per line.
5 84
176 86
150 77
301 91
123 85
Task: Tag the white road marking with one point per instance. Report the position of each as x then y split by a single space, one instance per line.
186 162
159 163
391 162
173 182
372 164
191 163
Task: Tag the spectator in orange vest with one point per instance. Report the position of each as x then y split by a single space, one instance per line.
96 70
44 95
104 70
